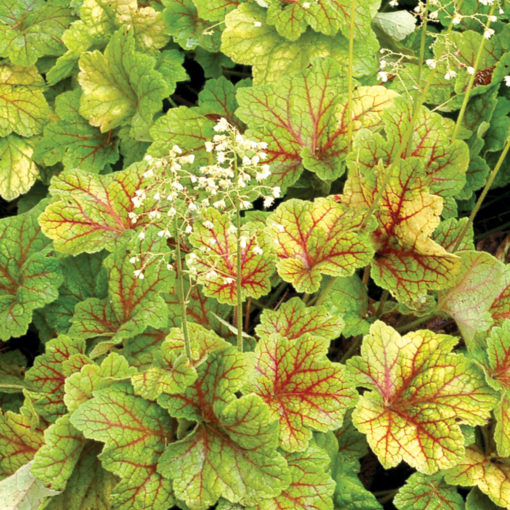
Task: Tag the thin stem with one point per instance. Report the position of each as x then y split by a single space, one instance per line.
472 78
180 293
483 194
382 302
275 295
349 75
239 314
354 345
322 296
417 322
364 303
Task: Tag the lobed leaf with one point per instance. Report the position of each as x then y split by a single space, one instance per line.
419 395
121 85
29 278
294 319
317 238
30 29
490 474
232 450
217 260
427 492
135 432
302 388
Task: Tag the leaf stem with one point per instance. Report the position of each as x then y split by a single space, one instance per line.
483 194
472 77
349 75
382 302
180 292
417 322
352 347
239 307
364 304
324 293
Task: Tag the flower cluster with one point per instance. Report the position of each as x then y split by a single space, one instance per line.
177 192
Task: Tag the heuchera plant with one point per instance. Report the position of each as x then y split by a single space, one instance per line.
255 288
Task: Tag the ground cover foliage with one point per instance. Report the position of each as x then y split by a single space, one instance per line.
237 258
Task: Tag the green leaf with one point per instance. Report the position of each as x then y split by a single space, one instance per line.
18 172
490 474
232 451
19 441
187 28
132 303
215 10
89 486
54 462
28 277
79 387
408 262
12 370
73 141
302 118
23 108
90 212
121 85
446 162
350 494
135 432
22 491
427 492
397 24
345 300
498 369
294 319
477 500
84 277
324 16
474 290
173 371
63 356
317 238
448 231
500 308
420 394
248 40
311 485
216 246
302 388
30 29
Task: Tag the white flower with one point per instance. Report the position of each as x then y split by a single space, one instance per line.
258 250
208 224
177 149
171 212
220 157
493 19
470 70
139 274
263 145
486 2
456 19
188 229
188 159
133 260
306 5
268 202
220 204
450 74
232 229
228 281
246 160
211 274
433 15
393 3
276 191
431 63
489 32
383 64
280 227
243 241
382 76
209 146
192 206
141 235
257 24
148 157
157 196
507 80
222 125
148 173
